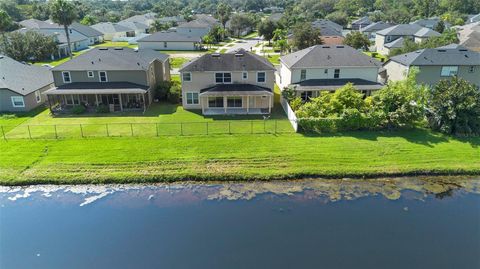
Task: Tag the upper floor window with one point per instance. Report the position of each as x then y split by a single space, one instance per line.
223 77
244 75
303 74
90 74
261 77
17 101
187 77
66 77
448 71
103 76
336 74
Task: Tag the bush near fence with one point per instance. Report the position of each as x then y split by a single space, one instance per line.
332 125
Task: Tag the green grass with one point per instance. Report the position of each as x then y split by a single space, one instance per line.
378 56
251 35
274 59
235 157
177 62
122 44
62 60
231 45
223 50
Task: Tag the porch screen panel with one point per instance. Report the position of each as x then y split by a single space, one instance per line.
215 102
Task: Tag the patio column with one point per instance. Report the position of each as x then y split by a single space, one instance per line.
203 104
49 104
120 99
96 99
225 103
248 101
144 105
269 104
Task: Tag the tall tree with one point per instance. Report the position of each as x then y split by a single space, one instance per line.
304 36
29 46
357 40
223 14
266 29
63 13
5 23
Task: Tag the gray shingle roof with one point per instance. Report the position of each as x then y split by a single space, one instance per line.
401 29
376 26
143 18
23 78
426 32
60 35
328 28
112 59
397 43
194 24
240 60
362 20
438 56
134 25
38 24
108 27
85 30
328 56
166 36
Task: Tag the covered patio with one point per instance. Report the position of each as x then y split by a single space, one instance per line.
243 99
116 96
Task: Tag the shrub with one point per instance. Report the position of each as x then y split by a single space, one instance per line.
174 93
296 103
102 109
162 90
78 109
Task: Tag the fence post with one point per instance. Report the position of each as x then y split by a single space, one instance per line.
29 133
229 128
81 130
264 128
106 127
275 126
207 127
251 127
156 127
3 133
131 128
181 128
56 134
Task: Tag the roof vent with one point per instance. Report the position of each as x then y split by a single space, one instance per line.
215 54
459 50
340 47
442 51
103 48
92 62
118 48
326 47
238 54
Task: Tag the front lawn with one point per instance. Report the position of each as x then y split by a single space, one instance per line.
178 62
121 44
274 59
235 157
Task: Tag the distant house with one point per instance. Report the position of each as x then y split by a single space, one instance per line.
112 31
175 20
436 64
361 23
168 40
372 29
22 85
327 68
232 83
469 36
145 19
195 28
93 35
121 79
138 27
473 18
430 23
384 38
328 28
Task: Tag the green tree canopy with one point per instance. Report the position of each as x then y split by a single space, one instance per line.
304 36
63 13
266 29
29 46
357 40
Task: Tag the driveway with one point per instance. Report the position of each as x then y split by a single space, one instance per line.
246 44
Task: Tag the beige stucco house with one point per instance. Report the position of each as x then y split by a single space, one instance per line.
327 68
232 83
436 64
392 37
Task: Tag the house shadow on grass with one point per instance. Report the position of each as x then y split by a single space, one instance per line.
418 136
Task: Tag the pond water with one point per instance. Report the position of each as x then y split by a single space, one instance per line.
381 223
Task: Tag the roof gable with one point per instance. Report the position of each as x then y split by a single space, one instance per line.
447 55
23 78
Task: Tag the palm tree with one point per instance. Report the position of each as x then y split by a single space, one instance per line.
223 13
5 23
63 13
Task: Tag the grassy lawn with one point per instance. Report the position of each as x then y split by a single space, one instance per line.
231 45
223 50
122 44
235 157
377 56
61 61
274 59
178 62
251 35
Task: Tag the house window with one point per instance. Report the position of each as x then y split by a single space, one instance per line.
187 77
448 71
38 96
244 75
66 77
223 77
261 77
17 101
306 95
165 44
303 75
102 76
471 69
215 101
336 74
192 98
234 102
90 74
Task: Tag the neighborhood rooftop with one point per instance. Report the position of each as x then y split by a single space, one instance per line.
401 29
112 59
108 27
240 60
376 26
328 56
23 78
169 36
449 55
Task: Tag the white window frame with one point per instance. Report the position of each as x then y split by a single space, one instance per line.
192 99
90 74
190 77
244 75
335 73
12 98
69 77
38 96
264 78
452 71
100 77
303 72
223 77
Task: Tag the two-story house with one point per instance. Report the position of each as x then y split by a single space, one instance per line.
392 37
327 68
232 83
120 78
436 64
